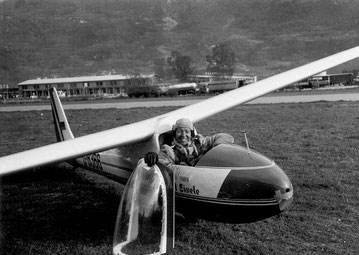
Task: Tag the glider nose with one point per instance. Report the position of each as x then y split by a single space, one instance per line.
285 196
283 188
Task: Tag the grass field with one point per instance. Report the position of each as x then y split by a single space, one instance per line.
56 210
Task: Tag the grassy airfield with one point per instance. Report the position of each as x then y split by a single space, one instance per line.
56 210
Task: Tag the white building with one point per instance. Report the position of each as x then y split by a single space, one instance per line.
84 86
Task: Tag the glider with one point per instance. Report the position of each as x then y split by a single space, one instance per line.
230 183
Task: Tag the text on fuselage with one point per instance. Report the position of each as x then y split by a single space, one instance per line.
185 189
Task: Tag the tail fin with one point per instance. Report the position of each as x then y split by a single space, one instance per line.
62 128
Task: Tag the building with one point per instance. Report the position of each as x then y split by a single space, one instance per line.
201 78
8 91
115 85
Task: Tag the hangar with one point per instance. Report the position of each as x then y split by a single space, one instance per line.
84 86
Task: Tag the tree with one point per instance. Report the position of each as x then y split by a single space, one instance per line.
222 60
160 67
181 65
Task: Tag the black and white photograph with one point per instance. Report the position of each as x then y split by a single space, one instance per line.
179 127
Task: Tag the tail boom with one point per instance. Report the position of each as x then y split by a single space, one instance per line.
62 127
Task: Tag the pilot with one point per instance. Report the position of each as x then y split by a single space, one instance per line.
187 147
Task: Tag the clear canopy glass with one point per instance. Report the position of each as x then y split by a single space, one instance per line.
145 217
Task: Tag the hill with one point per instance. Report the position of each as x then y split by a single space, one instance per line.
48 38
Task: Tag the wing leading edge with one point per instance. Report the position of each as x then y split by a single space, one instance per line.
78 147
247 93
143 130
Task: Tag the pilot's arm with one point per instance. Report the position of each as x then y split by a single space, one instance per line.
165 157
209 142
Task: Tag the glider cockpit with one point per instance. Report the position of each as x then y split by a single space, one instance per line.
231 183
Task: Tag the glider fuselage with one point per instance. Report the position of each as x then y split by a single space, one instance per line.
228 184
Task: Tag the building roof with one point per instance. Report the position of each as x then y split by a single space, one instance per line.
234 76
81 79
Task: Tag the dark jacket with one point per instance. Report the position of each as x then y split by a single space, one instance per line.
190 155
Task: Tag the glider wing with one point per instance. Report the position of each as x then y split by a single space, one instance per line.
144 130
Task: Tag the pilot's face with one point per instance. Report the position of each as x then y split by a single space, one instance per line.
183 136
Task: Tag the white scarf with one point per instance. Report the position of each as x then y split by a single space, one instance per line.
186 150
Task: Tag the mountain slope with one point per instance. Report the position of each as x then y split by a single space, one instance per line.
45 38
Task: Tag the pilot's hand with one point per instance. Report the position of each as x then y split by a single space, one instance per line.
151 158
